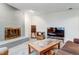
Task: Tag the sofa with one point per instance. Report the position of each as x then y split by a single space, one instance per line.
70 48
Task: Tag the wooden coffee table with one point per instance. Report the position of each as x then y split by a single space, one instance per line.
42 47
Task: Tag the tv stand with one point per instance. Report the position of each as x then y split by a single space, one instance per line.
58 38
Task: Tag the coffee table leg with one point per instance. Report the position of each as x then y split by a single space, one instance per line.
58 45
41 53
29 49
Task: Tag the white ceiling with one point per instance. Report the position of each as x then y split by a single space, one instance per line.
45 7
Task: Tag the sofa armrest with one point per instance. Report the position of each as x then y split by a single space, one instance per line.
76 40
4 51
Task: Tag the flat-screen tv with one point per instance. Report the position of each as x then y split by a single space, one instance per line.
55 31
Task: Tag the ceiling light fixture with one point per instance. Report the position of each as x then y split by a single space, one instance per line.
70 8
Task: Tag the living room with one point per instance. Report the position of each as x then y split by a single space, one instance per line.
18 19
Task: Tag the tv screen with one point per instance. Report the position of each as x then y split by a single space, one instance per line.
55 31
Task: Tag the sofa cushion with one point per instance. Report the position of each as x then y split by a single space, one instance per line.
62 52
71 47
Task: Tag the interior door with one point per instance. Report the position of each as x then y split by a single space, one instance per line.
33 31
